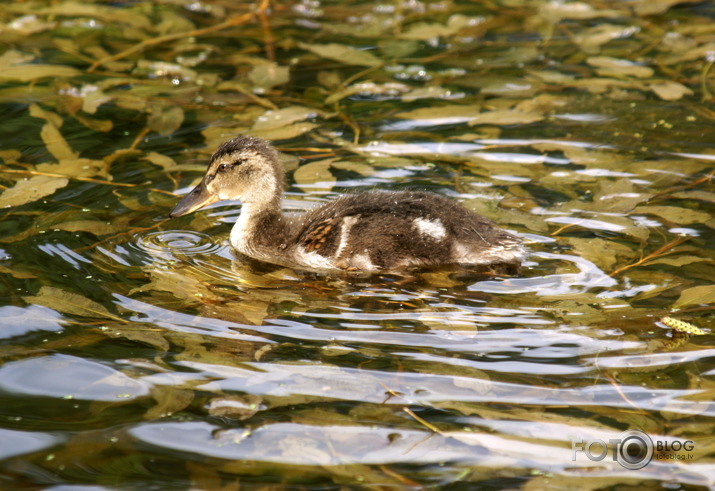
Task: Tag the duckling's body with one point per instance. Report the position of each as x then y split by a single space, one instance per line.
370 231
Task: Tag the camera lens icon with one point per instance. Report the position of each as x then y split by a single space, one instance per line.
635 450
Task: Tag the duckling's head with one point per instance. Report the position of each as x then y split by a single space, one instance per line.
244 168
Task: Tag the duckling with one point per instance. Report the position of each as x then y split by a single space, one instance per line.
368 231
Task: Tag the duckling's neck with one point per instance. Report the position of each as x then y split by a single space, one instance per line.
261 229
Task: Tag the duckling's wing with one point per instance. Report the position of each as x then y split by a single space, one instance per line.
324 229
321 228
315 235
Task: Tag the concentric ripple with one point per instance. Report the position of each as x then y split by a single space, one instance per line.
177 242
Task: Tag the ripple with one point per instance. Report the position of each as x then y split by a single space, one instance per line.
181 242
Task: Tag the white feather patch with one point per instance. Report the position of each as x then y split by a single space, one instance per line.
347 225
430 228
313 259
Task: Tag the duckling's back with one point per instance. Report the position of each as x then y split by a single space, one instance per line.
393 230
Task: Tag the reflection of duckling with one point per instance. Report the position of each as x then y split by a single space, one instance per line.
369 231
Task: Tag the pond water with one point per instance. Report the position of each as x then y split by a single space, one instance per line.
139 353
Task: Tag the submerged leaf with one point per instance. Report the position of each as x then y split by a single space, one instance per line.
50 133
603 253
22 275
182 286
29 24
675 214
590 40
314 175
163 161
10 156
103 125
283 117
620 196
138 334
423 31
696 296
696 195
680 261
653 7
555 11
358 167
669 90
26 73
69 303
391 89
77 167
92 98
283 132
56 144
343 54
431 92
92 226
506 117
609 67
237 407
86 9
456 111
268 75
169 399
165 120
30 190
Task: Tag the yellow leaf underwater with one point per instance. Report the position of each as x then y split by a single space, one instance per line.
696 296
675 214
422 31
269 75
77 167
449 112
283 132
69 303
27 73
163 161
506 117
652 7
30 190
669 90
283 117
182 286
344 54
314 175
55 143
92 226
165 120
616 67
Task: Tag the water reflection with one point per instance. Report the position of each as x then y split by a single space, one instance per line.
25 442
67 377
588 276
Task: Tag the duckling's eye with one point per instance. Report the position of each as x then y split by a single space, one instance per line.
224 167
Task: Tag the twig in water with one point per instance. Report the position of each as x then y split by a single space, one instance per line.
660 252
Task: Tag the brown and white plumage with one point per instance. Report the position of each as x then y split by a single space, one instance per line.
369 231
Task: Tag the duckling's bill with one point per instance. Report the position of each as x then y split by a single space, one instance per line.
199 197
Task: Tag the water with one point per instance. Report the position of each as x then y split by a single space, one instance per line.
139 353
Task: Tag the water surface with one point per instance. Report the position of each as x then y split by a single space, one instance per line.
140 353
